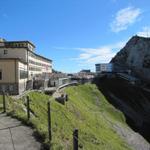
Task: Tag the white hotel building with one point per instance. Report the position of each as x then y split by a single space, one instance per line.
18 64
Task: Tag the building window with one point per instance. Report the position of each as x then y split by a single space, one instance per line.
5 52
35 69
23 74
0 74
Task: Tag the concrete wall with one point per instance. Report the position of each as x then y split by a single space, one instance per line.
11 88
7 67
11 81
25 55
22 82
14 53
37 84
58 82
11 67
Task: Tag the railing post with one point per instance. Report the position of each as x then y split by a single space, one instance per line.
75 139
28 108
49 121
4 103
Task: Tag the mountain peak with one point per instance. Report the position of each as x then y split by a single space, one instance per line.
136 56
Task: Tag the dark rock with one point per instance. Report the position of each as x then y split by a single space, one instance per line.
135 56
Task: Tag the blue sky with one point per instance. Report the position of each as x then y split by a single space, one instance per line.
75 34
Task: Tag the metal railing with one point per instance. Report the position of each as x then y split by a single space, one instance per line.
10 106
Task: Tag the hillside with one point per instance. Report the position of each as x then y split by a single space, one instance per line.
133 101
100 125
136 56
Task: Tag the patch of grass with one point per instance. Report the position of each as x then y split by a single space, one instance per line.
1 103
87 109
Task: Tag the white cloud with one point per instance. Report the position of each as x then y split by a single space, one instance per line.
88 57
145 32
124 18
91 56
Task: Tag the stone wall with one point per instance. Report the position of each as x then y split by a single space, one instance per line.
10 88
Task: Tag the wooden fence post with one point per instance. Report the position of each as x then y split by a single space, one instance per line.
4 103
49 121
28 108
75 139
66 97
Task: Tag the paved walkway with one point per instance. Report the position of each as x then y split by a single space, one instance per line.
15 136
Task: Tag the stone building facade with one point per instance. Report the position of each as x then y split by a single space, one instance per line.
19 64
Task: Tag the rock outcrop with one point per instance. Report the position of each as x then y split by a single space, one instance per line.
135 56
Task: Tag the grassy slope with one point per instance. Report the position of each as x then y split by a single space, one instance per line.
87 110
1 103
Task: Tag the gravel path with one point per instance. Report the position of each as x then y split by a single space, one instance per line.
134 139
15 136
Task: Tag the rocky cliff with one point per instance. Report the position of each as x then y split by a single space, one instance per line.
136 56
133 101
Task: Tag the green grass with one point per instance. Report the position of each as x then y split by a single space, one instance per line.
1 103
87 109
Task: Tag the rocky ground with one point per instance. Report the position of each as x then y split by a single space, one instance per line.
134 103
135 56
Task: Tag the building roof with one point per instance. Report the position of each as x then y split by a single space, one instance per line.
19 42
41 56
4 41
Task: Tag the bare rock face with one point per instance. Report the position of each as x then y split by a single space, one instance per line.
136 56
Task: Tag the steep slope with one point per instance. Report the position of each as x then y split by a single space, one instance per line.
101 126
136 56
133 101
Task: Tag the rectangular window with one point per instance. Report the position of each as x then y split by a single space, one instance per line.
5 52
35 69
23 74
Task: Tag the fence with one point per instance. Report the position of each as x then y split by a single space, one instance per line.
9 106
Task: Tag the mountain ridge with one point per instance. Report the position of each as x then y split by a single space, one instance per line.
135 55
